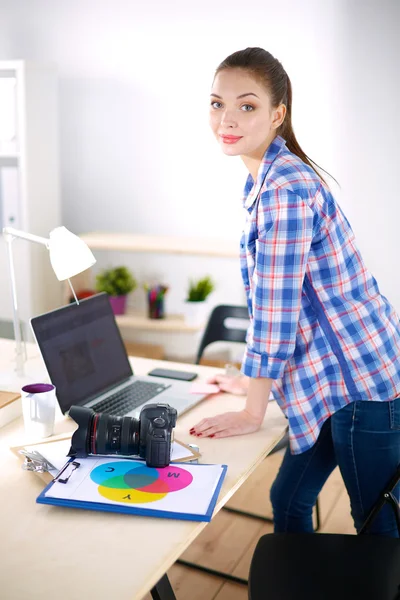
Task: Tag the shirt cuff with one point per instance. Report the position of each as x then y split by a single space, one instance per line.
261 365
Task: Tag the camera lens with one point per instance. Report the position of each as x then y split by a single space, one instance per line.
101 433
114 435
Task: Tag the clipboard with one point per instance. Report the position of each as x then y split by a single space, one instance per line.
47 477
181 491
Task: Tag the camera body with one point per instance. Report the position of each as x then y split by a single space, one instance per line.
149 437
155 434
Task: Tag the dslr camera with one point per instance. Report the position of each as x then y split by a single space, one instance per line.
149 437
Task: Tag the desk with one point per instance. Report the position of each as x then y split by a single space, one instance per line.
51 552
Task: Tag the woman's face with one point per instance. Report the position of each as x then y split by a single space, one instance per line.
241 116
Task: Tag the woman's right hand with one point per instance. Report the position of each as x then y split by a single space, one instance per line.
236 384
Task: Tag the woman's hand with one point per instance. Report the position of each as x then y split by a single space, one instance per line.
241 422
226 424
234 384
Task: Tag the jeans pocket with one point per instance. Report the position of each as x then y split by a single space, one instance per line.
394 409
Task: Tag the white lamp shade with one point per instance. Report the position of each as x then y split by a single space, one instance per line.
69 255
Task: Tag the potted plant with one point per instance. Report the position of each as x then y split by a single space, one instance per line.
196 305
117 283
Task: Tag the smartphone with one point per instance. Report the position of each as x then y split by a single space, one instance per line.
171 374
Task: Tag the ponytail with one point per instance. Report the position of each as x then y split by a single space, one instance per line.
286 131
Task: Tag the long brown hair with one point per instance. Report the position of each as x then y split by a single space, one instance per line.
267 69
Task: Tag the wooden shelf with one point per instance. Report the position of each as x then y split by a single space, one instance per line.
171 323
127 242
8 397
98 240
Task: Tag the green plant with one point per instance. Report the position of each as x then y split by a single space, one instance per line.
199 290
116 282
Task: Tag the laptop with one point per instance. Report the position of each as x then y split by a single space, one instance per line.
86 360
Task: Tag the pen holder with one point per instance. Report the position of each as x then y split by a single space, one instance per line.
155 301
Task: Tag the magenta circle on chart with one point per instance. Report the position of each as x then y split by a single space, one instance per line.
176 478
38 388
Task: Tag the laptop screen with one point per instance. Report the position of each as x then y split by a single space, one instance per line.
82 349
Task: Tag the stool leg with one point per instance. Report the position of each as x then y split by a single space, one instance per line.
221 574
317 515
245 513
163 590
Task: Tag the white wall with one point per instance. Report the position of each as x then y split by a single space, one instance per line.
368 134
136 151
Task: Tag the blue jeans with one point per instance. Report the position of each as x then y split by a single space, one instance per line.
363 439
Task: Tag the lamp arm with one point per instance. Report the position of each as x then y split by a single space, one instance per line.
16 233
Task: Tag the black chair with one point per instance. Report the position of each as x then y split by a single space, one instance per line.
217 330
329 566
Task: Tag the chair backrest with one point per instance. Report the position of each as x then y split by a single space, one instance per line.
217 330
386 496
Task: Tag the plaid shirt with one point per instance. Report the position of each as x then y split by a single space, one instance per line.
318 324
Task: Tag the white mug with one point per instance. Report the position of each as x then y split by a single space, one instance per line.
39 409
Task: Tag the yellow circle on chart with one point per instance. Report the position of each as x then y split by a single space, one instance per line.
129 495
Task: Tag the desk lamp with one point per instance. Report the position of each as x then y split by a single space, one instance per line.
69 255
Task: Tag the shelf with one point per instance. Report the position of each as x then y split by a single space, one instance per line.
161 244
8 397
171 323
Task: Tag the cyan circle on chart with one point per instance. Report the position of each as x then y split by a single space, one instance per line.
140 478
111 470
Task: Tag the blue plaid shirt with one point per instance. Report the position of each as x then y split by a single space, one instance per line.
318 324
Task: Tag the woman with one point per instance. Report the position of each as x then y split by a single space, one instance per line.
321 335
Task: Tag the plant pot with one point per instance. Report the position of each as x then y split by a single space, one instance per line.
196 313
118 304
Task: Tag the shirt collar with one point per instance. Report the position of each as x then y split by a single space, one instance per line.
252 189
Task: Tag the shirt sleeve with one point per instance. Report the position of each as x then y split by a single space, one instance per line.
285 230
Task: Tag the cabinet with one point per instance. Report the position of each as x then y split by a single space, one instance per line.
29 185
170 245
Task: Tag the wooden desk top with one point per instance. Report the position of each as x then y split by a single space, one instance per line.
52 552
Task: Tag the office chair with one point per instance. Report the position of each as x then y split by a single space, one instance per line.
327 566
217 331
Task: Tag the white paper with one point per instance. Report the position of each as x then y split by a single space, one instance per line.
56 452
181 488
179 451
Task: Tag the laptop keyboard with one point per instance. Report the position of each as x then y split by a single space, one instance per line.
130 397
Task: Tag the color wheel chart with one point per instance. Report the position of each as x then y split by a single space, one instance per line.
137 483
179 491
